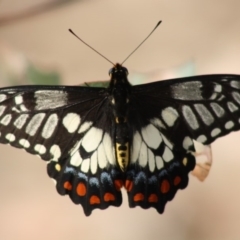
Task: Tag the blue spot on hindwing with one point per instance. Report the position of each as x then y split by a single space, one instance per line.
69 170
94 182
82 176
141 177
152 180
106 178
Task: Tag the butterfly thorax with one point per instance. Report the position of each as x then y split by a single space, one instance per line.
119 97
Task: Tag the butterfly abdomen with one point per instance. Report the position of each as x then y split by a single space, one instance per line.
120 91
122 137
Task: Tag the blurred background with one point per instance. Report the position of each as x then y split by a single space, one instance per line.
195 37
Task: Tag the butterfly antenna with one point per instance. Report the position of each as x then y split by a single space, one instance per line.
141 42
70 30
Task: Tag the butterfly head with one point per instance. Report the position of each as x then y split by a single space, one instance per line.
118 71
118 76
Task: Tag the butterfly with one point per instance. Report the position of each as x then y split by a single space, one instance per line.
99 140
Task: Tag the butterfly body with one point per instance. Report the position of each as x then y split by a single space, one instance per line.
98 140
119 96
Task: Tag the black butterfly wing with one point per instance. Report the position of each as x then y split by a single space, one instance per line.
72 129
166 117
69 128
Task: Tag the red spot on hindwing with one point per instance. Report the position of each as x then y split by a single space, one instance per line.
128 185
176 180
138 197
118 184
109 197
165 186
67 185
153 198
81 189
94 200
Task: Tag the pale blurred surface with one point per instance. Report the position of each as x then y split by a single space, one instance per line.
206 32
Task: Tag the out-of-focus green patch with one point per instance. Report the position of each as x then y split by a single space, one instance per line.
183 70
187 69
102 84
17 69
36 76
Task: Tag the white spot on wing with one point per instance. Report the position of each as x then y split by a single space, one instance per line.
93 163
2 97
23 108
236 97
34 123
102 158
143 155
75 147
232 107
151 136
167 142
14 109
218 88
151 160
201 139
50 99
204 114
50 126
137 141
187 90
187 143
229 125
218 110
18 99
84 127
167 154
20 121
159 162
71 122
158 123
235 84
76 159
2 109
10 137
169 116
190 117
85 165
56 152
6 119
24 142
41 149
107 145
215 132
92 139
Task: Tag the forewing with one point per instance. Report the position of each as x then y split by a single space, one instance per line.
166 116
69 128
